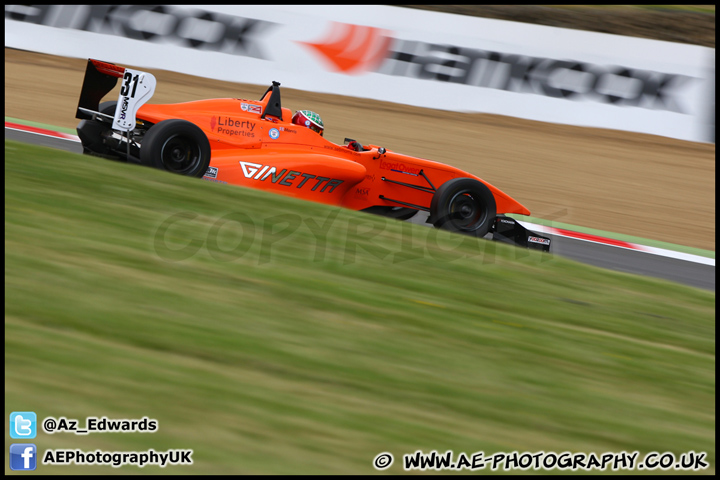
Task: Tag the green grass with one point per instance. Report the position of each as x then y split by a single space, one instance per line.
314 351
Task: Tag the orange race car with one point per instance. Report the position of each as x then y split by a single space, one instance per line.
261 144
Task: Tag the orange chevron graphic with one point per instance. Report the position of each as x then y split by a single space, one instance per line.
353 49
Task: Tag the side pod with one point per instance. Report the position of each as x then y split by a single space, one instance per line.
508 230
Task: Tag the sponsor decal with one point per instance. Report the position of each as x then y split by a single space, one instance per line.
251 108
292 178
362 191
123 109
211 172
568 79
343 150
399 167
274 133
288 130
230 122
352 49
249 169
158 24
503 220
542 241
232 127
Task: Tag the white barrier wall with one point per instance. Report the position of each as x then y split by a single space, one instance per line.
427 59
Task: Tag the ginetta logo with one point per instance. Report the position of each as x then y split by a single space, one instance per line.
353 49
250 169
260 172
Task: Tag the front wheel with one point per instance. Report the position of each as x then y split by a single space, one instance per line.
177 146
463 205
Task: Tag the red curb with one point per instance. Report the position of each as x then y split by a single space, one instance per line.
41 131
597 239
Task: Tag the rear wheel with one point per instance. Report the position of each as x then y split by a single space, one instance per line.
108 108
463 205
177 146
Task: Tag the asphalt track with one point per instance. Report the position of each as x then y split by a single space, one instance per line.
605 256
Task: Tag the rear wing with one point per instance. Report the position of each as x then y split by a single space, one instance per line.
100 79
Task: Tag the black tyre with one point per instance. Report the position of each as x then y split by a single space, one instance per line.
177 146
108 108
91 132
463 205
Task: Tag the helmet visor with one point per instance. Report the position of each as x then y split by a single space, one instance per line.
315 128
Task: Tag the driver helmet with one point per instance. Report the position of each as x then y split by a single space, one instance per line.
309 119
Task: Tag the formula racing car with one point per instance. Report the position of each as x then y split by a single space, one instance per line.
253 143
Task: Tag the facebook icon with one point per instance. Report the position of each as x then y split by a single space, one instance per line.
23 456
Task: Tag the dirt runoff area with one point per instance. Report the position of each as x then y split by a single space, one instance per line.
635 184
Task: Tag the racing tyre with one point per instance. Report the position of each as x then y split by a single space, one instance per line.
108 108
91 133
463 205
177 146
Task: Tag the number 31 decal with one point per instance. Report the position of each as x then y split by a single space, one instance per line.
137 88
129 77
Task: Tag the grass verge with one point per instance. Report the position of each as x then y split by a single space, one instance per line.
272 335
